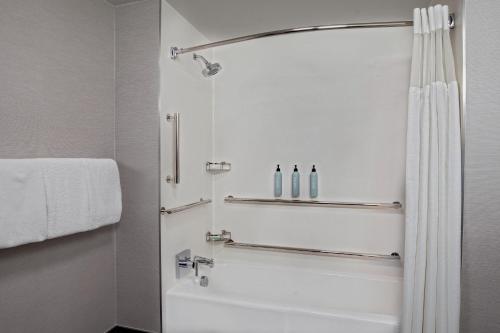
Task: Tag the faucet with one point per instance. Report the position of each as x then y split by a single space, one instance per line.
201 261
184 262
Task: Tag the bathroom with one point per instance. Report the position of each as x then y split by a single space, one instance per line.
254 166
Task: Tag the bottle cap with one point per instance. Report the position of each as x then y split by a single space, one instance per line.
314 168
278 168
295 168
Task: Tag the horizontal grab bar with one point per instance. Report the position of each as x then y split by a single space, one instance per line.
292 202
202 201
299 250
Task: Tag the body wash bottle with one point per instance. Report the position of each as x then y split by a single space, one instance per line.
313 183
278 184
295 182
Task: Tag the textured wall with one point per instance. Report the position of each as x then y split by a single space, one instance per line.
137 153
57 100
481 234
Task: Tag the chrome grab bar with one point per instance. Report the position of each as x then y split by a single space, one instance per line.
292 202
202 201
176 118
298 250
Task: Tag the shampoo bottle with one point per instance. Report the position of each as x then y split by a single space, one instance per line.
295 182
313 183
278 184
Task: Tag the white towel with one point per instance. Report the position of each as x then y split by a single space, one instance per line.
48 198
82 194
23 215
66 184
105 200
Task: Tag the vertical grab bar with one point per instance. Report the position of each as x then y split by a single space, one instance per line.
176 118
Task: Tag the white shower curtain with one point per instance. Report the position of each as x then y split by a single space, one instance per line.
433 181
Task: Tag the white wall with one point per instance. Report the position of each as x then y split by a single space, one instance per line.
184 90
337 99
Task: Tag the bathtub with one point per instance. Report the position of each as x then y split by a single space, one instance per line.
245 296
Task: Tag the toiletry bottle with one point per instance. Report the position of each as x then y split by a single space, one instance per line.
313 183
278 185
295 182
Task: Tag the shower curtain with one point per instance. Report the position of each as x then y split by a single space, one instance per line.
433 181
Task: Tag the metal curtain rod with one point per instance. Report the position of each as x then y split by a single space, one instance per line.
176 51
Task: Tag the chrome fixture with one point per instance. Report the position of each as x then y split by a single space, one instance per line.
298 250
176 51
451 21
202 201
218 166
293 202
184 263
224 236
210 68
204 281
176 118
197 261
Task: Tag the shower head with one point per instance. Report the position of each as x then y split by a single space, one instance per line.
211 68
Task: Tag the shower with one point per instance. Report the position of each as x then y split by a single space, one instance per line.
211 68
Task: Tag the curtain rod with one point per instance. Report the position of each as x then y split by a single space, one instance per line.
176 51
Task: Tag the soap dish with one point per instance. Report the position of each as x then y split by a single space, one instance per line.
216 167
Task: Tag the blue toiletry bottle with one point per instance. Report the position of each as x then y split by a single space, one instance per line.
313 183
295 182
278 182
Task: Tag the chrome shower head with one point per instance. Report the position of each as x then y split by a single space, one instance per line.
210 68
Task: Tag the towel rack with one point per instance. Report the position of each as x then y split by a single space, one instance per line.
202 201
299 250
292 202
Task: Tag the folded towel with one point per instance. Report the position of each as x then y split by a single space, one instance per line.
105 199
47 198
66 185
23 215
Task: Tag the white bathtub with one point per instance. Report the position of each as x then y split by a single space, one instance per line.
245 296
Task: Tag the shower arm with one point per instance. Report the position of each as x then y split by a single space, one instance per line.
205 61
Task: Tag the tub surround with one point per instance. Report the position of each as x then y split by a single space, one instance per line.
266 297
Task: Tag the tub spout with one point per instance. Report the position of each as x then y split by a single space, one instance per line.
201 261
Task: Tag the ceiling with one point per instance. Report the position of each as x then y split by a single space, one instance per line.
221 19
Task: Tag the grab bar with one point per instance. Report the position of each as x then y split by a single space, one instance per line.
176 118
292 202
317 252
202 201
